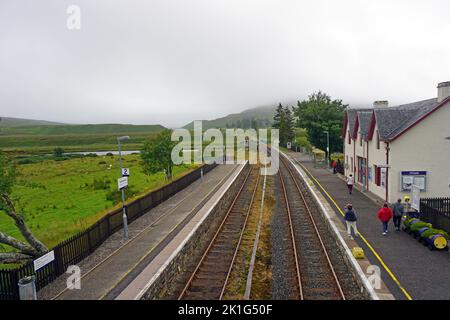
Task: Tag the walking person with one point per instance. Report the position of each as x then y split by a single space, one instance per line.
385 214
350 182
398 213
334 165
350 220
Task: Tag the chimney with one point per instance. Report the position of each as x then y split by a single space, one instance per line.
381 104
443 91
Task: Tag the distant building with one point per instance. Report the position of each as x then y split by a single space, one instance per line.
387 149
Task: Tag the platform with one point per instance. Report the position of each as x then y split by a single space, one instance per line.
109 277
415 271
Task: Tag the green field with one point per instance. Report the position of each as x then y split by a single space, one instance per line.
60 198
73 138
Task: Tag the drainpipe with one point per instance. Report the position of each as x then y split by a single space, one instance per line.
367 167
387 171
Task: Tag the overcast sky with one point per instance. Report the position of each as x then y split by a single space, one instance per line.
171 61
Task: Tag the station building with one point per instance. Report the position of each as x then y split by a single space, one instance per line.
388 149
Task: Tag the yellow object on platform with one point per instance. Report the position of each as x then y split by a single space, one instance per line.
440 242
358 252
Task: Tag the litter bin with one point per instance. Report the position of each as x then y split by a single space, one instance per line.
27 288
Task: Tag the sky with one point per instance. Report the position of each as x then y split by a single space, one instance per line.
172 61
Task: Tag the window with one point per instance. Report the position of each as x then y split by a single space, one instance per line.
378 141
377 175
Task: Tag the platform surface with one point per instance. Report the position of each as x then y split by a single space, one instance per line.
424 274
108 279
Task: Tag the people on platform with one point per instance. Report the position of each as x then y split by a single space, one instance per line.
334 165
385 214
350 219
350 182
398 211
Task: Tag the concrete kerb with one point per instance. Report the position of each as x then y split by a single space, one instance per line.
338 231
159 279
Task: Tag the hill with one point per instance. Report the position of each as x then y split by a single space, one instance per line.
17 122
78 129
261 116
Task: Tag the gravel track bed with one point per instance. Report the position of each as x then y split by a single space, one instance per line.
349 285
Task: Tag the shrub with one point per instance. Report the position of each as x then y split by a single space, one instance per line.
101 184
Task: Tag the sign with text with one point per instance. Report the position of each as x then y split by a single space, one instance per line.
122 183
125 172
44 260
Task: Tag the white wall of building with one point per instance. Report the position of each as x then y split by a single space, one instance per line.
423 148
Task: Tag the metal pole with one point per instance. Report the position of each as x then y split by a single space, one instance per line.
124 214
328 148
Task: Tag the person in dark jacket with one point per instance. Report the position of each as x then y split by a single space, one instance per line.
385 214
350 219
398 213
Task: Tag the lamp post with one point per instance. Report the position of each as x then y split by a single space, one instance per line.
124 214
328 147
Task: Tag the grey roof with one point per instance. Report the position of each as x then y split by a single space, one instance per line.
351 116
364 118
391 121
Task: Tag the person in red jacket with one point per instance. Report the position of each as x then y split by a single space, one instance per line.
385 214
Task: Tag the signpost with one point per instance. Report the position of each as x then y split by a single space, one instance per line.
44 260
125 172
122 183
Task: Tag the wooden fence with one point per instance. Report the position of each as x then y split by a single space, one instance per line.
82 244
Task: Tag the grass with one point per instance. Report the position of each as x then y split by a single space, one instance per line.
60 198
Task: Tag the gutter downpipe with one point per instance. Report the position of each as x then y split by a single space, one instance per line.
387 171
367 166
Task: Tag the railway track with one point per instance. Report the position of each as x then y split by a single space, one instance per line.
210 277
310 268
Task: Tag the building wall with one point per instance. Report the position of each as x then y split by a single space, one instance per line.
348 153
376 157
423 148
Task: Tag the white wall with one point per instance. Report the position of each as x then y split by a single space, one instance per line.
423 148
376 157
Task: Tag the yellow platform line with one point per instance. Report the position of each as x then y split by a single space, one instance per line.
391 274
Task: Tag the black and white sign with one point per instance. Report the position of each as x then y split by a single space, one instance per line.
44 260
288 145
122 183
125 172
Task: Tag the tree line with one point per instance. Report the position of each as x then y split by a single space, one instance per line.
318 114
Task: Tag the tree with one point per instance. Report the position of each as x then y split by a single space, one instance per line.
30 249
156 153
284 122
319 114
58 152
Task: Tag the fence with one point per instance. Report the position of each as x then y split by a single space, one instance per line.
436 211
81 245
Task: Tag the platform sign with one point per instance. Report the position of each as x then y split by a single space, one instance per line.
44 260
415 197
125 172
289 145
122 183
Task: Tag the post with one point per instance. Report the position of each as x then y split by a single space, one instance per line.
328 148
124 213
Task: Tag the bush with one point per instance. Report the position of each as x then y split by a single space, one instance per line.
100 184
115 196
58 152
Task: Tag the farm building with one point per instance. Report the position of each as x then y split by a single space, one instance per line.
388 149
